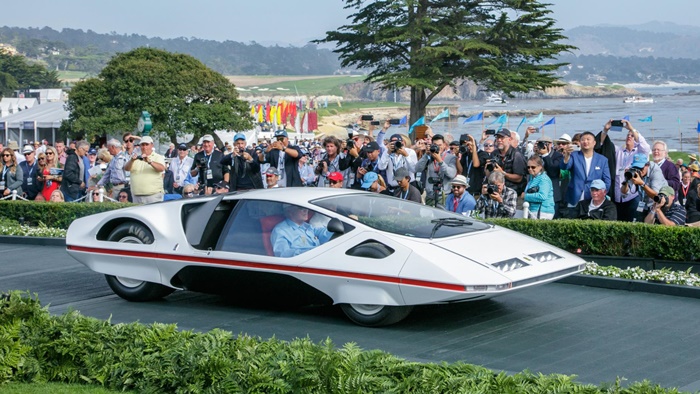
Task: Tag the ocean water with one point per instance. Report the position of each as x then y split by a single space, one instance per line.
592 113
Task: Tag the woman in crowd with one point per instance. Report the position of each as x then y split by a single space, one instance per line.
12 175
51 182
41 164
57 196
539 192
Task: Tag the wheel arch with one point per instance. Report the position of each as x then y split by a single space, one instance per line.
106 229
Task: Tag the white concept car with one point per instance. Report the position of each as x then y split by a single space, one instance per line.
382 255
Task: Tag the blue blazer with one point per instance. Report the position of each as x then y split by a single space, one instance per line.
580 182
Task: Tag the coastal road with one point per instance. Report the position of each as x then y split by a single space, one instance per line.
597 334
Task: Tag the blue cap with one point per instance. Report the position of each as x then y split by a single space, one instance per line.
368 179
281 133
598 184
640 160
239 136
92 151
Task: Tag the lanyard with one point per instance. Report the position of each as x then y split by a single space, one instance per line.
405 195
4 171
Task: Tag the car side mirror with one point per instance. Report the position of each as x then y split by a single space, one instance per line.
336 227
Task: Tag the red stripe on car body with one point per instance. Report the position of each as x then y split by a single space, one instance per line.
268 266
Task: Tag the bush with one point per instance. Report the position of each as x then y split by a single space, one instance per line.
37 347
59 215
593 237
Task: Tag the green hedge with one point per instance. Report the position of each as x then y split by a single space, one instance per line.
59 215
604 238
38 347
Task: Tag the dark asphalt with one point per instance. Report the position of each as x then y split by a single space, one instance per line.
597 334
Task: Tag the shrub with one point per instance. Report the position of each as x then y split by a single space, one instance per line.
159 358
605 238
59 215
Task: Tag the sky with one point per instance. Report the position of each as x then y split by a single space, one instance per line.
285 22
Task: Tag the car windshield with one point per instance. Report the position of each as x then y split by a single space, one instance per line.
401 217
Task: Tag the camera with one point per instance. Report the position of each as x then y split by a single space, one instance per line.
632 173
490 189
541 145
375 123
398 145
617 123
367 117
394 121
493 161
490 132
319 166
201 162
463 149
659 197
434 148
369 167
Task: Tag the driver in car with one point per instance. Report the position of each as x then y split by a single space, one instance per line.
294 235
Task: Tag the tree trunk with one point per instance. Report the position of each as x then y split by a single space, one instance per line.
418 104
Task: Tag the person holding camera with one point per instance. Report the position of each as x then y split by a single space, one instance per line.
646 180
207 165
584 166
509 161
146 173
400 156
551 158
497 200
374 161
470 159
332 161
666 210
539 192
598 207
285 157
438 167
242 166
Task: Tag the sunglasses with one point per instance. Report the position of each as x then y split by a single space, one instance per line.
129 140
123 197
49 153
531 167
6 155
488 145
42 158
334 182
270 175
27 154
95 194
280 139
457 186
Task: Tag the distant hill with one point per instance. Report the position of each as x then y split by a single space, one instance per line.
88 51
655 39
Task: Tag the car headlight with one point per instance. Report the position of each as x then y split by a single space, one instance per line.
545 257
510 264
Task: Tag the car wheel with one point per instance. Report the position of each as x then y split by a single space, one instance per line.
369 315
134 289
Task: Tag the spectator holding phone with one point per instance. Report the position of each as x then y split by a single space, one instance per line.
626 203
584 166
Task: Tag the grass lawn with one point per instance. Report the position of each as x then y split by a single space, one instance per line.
313 86
54 388
72 75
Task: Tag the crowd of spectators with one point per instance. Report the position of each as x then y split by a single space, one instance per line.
585 176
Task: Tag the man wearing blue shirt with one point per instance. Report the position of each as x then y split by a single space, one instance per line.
459 201
294 235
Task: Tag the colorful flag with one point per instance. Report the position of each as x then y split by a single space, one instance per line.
626 117
647 119
419 122
403 120
698 127
535 120
521 123
501 120
474 118
325 102
444 114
